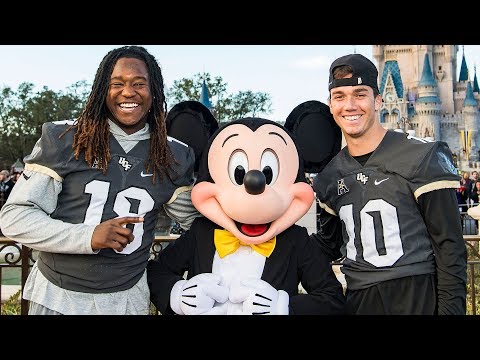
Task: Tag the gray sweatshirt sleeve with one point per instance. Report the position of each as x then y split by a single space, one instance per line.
25 218
180 207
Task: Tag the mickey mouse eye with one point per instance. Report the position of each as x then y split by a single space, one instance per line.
269 166
237 167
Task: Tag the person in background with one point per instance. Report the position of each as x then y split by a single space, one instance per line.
474 195
92 188
6 186
473 180
474 210
389 207
464 191
15 176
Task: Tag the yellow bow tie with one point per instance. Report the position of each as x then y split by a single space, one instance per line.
226 243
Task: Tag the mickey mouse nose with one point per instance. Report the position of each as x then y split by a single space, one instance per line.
254 182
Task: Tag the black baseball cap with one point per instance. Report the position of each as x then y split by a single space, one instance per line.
364 72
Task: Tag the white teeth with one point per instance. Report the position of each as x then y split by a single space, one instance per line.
352 118
128 105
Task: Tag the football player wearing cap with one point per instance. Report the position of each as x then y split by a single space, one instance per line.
389 207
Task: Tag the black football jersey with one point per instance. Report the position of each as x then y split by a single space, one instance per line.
384 234
90 197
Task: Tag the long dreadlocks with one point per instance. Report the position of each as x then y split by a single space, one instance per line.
93 132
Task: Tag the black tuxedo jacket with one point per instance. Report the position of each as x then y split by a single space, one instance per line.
296 259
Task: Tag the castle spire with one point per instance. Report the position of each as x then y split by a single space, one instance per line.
427 76
205 96
475 82
469 97
463 69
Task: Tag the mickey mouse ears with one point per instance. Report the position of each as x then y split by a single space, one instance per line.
192 123
317 135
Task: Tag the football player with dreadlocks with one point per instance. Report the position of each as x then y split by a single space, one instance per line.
91 191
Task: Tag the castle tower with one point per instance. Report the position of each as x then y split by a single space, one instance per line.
444 69
428 104
438 104
461 86
475 89
410 60
470 117
393 113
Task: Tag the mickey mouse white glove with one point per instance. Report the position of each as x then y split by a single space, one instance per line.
198 295
259 298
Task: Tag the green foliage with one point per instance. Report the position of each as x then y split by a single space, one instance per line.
472 256
477 300
13 305
226 107
23 112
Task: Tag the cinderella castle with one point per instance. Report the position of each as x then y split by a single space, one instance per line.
422 96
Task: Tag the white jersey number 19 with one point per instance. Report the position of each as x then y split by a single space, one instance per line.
99 191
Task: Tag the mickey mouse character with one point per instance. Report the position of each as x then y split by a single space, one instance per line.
246 255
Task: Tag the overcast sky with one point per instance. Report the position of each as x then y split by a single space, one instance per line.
291 74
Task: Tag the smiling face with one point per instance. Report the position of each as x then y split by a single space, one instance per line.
253 194
354 109
129 98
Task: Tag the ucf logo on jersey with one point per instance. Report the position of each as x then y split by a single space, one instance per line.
125 164
362 178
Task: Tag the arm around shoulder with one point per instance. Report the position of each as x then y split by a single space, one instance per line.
329 235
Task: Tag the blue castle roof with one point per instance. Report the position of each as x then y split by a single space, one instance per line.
427 76
394 69
463 70
205 96
475 82
469 98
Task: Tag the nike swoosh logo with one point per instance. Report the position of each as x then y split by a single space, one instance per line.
379 182
26 177
145 175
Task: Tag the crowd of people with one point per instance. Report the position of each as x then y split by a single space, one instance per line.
467 191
